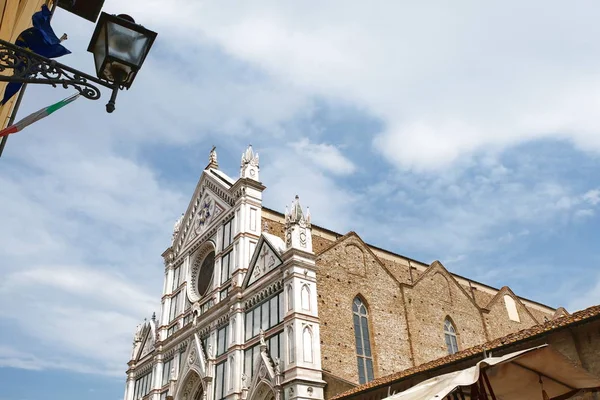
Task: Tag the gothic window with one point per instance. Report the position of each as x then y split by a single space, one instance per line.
307 349
291 345
176 278
227 233
226 267
231 371
220 381
222 340
290 297
166 375
264 316
364 358
174 308
450 336
305 297
142 386
274 345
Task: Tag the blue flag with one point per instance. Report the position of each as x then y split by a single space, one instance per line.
41 40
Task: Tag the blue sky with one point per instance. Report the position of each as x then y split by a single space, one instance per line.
463 133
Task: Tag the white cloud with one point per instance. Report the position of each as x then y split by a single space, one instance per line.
86 215
325 156
592 197
446 80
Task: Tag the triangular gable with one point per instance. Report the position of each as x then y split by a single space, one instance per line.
266 372
266 258
206 212
211 198
438 267
147 346
364 246
505 290
194 359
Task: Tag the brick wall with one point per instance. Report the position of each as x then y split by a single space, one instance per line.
345 271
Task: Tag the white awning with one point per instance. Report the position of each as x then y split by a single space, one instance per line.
514 376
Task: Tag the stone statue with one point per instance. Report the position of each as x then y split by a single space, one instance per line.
277 366
212 158
209 351
172 377
262 338
244 381
138 333
177 227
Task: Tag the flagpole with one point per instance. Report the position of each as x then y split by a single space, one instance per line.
15 109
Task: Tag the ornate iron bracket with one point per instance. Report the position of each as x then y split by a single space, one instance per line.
29 67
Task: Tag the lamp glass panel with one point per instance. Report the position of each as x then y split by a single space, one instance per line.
126 44
100 49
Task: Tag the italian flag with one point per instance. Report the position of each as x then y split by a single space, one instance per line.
36 116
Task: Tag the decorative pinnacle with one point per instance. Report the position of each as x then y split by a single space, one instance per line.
212 159
249 157
295 214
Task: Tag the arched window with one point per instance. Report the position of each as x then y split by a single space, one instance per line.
364 357
291 345
290 297
307 345
305 296
450 336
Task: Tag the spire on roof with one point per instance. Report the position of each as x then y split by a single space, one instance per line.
248 157
297 227
249 167
212 159
295 215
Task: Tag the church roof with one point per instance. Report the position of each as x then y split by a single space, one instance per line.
579 317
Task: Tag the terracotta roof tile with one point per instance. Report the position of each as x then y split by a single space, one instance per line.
579 316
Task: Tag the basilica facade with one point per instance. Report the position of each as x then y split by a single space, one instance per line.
263 305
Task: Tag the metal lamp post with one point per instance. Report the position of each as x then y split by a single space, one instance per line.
119 45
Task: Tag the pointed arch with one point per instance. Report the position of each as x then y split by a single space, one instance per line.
290 297
188 386
364 355
450 335
305 297
263 391
231 372
291 345
307 344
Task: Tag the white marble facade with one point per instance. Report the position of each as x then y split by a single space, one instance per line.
239 316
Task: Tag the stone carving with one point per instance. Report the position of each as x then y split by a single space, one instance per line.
277 366
176 228
192 357
262 338
189 387
244 381
209 351
212 158
310 390
138 333
248 157
266 261
172 376
204 215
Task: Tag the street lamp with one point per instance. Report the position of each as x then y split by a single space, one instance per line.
119 45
